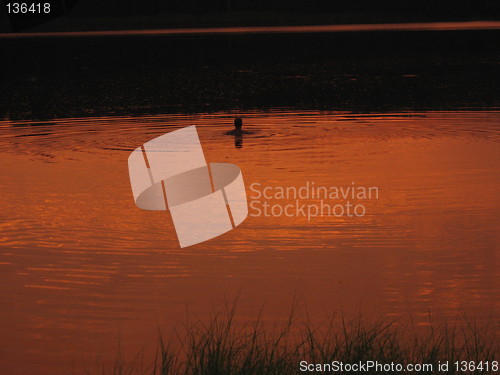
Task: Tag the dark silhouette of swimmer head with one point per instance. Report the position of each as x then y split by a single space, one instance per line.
238 123
238 132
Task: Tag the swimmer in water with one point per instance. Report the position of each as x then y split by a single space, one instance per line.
238 128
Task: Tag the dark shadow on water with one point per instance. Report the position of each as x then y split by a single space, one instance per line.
238 141
358 72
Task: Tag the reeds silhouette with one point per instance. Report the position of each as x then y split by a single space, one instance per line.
222 347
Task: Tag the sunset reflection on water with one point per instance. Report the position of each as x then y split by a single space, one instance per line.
82 268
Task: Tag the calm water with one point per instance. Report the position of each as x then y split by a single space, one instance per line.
83 270
419 26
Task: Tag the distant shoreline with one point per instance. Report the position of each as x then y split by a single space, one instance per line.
412 26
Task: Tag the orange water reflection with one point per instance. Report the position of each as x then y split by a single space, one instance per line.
413 26
82 268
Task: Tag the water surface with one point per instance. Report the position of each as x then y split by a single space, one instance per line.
409 26
82 269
